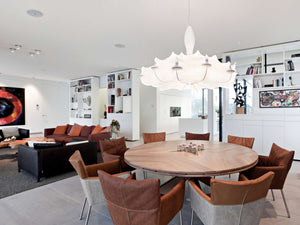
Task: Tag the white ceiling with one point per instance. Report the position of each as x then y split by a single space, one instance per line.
77 37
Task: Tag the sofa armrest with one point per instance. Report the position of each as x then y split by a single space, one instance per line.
48 131
28 160
99 136
24 133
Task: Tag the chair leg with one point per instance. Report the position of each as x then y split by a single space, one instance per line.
84 202
180 216
286 207
273 195
88 215
192 217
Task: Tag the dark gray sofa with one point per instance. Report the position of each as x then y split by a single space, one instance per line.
23 133
52 161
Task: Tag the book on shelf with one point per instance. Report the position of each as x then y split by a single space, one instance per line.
253 70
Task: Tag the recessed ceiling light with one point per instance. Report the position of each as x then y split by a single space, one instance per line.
239 43
18 47
12 49
34 13
119 45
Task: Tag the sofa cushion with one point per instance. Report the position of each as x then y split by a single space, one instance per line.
46 145
75 131
106 129
69 128
68 139
58 137
10 131
97 129
86 130
60 129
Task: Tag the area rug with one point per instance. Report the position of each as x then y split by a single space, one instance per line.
12 182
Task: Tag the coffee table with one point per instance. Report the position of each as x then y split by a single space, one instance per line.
14 144
218 158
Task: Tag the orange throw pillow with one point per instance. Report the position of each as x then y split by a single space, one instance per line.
97 129
75 131
60 129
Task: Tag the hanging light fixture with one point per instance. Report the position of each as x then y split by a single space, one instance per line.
190 70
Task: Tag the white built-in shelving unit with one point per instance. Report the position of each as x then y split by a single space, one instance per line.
84 104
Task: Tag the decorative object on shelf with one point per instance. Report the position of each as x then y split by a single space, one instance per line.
289 65
112 99
273 70
114 129
105 113
121 76
279 99
129 91
190 70
240 92
111 81
119 90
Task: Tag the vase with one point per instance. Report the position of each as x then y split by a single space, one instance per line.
113 132
240 110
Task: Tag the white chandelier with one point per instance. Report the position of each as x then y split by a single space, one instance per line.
190 71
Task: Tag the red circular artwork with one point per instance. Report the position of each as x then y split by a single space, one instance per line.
17 108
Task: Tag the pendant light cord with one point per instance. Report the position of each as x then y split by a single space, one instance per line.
189 13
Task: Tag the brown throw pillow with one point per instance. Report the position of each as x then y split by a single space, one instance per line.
75 131
60 129
85 132
97 129
69 128
106 129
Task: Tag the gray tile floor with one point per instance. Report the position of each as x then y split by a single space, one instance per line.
60 203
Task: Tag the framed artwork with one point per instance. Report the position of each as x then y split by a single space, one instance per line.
12 106
279 98
175 111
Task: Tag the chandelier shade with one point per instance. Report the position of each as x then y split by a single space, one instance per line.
189 71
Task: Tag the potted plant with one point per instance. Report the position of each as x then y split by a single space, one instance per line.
239 100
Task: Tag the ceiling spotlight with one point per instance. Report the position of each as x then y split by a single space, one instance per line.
119 45
18 47
34 13
37 52
31 53
12 50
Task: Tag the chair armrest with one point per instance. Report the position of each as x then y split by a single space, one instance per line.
172 202
24 133
111 167
242 177
199 191
48 131
109 157
263 160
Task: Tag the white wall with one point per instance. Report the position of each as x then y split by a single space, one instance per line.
167 99
148 107
51 96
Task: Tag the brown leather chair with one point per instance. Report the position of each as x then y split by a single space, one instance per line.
136 202
89 179
154 137
279 161
230 202
193 136
114 149
244 141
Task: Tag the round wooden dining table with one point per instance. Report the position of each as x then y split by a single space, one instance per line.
217 158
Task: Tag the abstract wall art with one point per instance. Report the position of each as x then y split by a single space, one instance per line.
12 106
279 99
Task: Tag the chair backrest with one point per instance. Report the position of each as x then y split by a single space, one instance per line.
280 157
244 141
154 137
78 164
131 202
113 147
193 136
239 192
